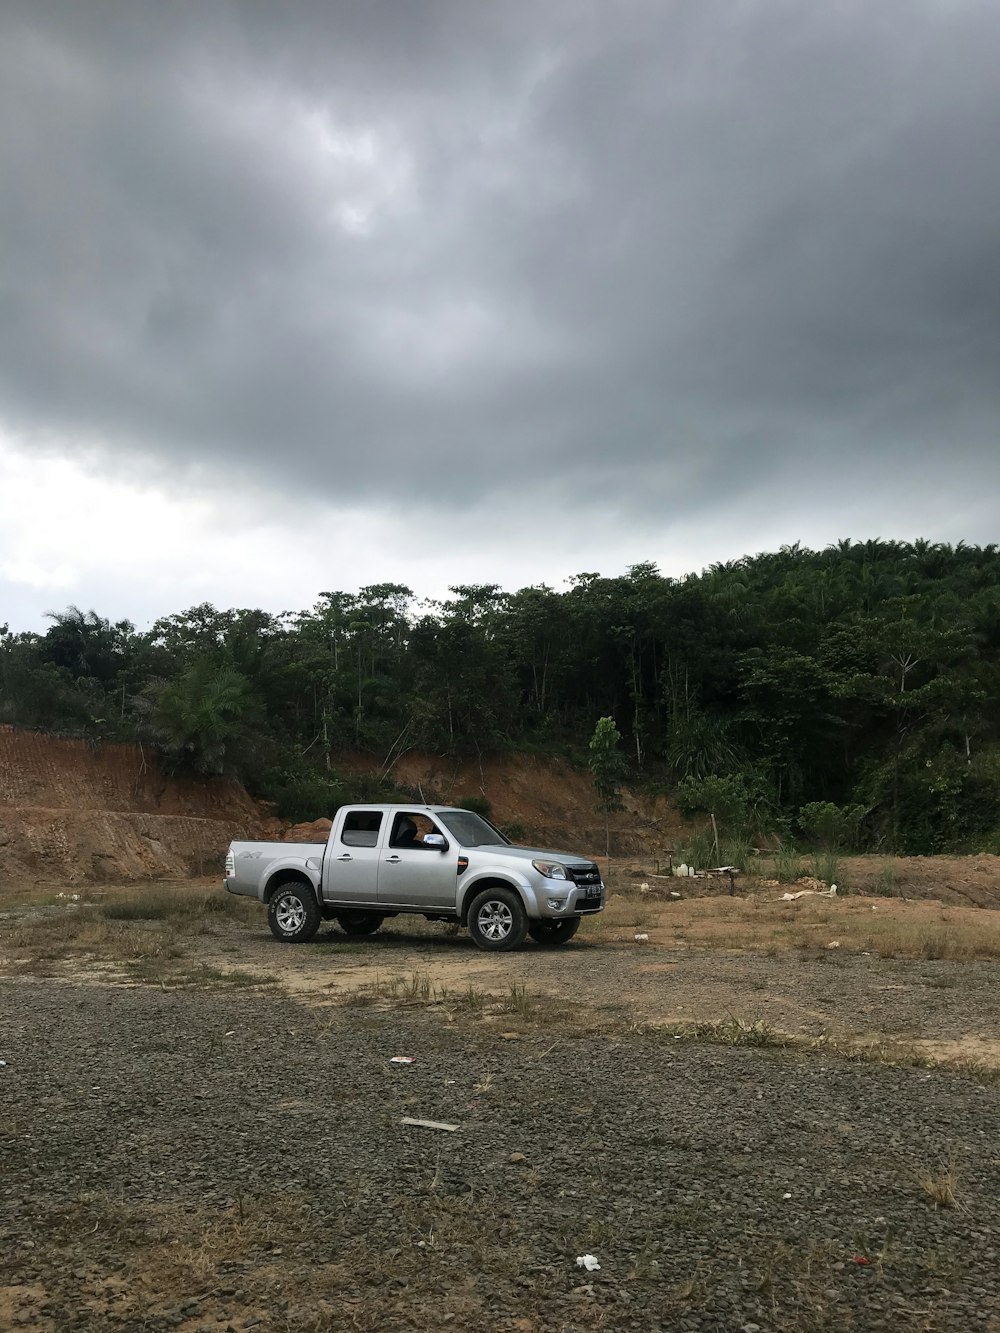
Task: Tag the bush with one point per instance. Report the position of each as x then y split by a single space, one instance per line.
302 794
479 805
831 827
738 801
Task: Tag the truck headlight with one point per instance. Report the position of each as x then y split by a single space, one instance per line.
550 869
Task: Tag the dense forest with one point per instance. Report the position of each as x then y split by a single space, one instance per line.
854 689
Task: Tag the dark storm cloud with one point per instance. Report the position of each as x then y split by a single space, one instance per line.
623 249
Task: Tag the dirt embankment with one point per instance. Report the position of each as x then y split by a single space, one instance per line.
74 813
549 801
71 813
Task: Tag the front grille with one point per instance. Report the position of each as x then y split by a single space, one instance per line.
589 904
584 875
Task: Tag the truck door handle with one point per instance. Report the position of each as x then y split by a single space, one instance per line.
346 857
393 860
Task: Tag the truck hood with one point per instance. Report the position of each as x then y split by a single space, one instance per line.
533 854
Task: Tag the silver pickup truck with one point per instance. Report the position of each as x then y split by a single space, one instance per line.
441 862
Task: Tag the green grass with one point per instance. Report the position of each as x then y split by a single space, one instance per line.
164 970
884 884
150 905
787 865
418 991
731 1032
828 870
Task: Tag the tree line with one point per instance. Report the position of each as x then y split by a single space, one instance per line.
855 688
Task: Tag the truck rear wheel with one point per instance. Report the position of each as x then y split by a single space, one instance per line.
358 922
497 921
554 932
293 914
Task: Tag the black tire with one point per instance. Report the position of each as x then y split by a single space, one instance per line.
358 922
550 933
293 914
497 921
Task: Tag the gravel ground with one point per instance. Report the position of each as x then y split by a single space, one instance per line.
842 993
205 1161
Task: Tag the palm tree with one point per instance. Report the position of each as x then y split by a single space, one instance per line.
200 717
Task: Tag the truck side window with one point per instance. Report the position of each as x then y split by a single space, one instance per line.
361 828
408 831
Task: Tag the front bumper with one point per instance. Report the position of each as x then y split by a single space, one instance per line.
559 898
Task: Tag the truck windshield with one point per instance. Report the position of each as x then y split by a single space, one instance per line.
471 830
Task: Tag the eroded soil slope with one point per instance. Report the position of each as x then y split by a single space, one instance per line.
550 800
71 813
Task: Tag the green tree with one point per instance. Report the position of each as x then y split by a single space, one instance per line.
204 718
607 765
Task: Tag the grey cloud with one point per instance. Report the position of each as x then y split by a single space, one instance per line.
614 249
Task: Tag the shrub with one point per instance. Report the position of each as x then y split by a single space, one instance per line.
832 827
739 801
479 805
300 792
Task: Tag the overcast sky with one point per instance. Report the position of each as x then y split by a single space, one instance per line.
305 296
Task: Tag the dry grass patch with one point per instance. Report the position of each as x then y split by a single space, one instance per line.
941 1187
731 1032
625 912
142 932
762 923
419 991
254 1226
758 1033
183 975
955 933
187 903
226 1267
77 936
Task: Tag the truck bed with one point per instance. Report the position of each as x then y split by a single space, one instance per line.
251 859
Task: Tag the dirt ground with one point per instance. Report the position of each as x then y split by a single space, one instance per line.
918 974
765 1115
971 880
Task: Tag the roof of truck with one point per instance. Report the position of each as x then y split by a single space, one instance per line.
405 805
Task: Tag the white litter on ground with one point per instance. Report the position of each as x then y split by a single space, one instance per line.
831 892
428 1124
589 1262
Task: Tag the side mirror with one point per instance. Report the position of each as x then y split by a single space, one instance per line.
437 840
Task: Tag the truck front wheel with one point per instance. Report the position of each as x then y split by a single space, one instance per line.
554 932
497 921
293 914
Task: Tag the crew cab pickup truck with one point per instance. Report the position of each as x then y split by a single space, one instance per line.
438 861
